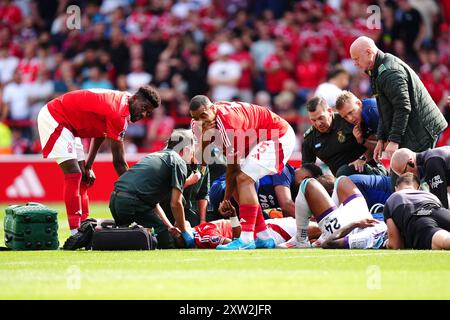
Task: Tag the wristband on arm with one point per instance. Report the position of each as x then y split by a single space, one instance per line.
234 222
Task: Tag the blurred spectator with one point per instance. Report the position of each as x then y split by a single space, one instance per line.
119 51
386 39
85 61
163 82
181 8
8 65
97 79
29 65
260 50
278 67
194 74
435 77
137 77
290 85
262 98
284 104
105 62
160 128
183 107
10 14
15 99
139 22
64 78
109 6
19 144
411 28
28 31
129 146
5 139
153 46
240 24
429 10
45 57
338 80
224 74
242 55
39 92
309 74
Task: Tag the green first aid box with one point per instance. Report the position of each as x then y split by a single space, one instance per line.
31 227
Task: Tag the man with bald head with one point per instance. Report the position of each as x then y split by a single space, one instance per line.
409 118
432 166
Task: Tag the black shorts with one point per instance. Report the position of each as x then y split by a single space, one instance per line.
424 227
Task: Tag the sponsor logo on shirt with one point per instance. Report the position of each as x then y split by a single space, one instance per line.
122 135
436 181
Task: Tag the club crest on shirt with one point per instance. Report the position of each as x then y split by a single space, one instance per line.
122 135
341 136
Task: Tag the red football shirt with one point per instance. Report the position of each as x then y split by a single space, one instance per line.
93 113
210 234
247 124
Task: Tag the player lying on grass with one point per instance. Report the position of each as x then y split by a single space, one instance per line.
211 234
416 219
344 219
276 193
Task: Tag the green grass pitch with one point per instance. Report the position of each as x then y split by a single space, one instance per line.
207 274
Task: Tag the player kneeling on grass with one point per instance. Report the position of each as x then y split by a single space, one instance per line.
344 219
211 234
154 178
416 219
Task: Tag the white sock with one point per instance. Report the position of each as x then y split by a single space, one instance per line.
263 235
73 232
247 236
302 214
335 196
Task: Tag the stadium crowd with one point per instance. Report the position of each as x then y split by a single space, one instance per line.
276 54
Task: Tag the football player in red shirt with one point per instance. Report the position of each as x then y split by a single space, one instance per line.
256 142
97 114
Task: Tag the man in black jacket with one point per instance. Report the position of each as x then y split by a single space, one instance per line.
416 219
409 118
432 166
331 140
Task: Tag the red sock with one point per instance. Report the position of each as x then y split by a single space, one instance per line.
72 199
247 215
84 201
260 224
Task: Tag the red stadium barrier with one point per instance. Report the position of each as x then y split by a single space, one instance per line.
31 178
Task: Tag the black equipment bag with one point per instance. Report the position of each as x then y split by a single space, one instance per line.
134 237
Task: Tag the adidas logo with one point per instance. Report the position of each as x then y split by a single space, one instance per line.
26 185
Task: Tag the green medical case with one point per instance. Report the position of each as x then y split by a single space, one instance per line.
33 226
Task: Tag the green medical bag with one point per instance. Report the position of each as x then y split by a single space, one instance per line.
31 227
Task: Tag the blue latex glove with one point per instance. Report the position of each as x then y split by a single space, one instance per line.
188 237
